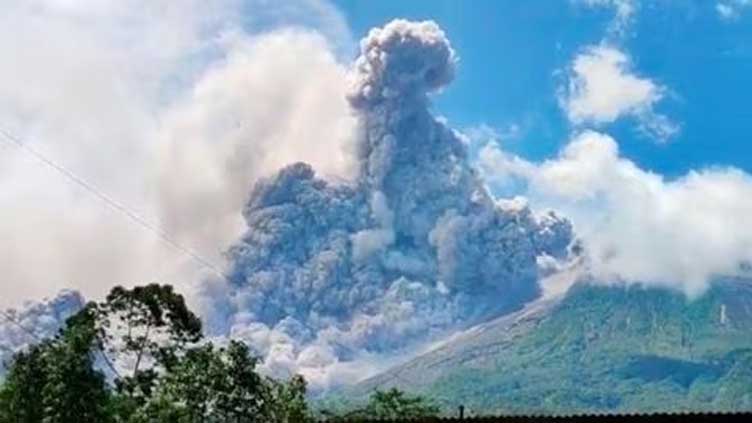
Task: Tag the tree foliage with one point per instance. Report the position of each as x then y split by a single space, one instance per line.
143 329
138 357
394 404
55 381
19 396
212 384
391 404
290 398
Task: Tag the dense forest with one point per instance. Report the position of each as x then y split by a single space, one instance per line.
139 356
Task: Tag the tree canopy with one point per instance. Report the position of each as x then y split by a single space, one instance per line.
139 357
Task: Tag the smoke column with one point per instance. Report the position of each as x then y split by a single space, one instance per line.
331 278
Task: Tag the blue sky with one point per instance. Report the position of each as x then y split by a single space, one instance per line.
512 55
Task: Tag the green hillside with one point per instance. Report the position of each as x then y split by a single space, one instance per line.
598 349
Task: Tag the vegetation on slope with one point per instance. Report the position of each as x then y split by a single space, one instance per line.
602 349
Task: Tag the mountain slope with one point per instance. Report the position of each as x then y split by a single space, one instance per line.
597 349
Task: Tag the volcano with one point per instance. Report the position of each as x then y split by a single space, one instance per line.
595 349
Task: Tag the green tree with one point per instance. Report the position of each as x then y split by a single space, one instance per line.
396 404
19 394
243 395
392 404
289 403
143 330
55 381
171 377
210 384
74 391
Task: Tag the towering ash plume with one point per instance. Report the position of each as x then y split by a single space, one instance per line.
329 275
333 279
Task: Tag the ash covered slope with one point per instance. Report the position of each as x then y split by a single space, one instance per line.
41 318
598 349
328 273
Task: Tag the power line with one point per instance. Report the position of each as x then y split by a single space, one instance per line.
29 332
19 325
161 234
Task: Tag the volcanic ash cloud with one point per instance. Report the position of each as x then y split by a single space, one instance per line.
330 277
34 321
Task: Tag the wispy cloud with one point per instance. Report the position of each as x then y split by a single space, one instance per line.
624 13
731 9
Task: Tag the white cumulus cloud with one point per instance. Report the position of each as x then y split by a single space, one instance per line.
602 87
171 108
274 99
638 226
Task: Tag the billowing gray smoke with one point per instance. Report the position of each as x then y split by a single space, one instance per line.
329 276
35 321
